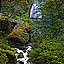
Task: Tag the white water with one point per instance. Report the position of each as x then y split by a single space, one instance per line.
25 58
35 7
35 12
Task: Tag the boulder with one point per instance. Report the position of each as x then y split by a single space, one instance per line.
20 33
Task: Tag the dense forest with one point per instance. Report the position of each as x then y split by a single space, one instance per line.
45 36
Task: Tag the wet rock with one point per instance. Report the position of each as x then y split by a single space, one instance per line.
20 55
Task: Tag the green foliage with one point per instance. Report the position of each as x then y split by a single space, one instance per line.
5 27
9 9
55 8
47 52
17 8
3 58
25 19
47 37
7 53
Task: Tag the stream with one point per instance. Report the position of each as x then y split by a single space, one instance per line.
24 50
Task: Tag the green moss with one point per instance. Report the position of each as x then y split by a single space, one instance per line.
20 55
24 26
20 33
48 52
7 54
5 25
3 58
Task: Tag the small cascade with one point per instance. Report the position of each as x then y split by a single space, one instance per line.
25 54
35 12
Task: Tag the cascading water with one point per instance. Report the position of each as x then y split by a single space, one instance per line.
35 12
25 54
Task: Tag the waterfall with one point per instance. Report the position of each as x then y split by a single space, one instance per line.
35 12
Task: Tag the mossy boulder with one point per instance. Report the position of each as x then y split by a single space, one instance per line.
20 33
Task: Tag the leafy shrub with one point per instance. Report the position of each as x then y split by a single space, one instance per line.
7 53
3 58
5 26
9 9
47 38
17 8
